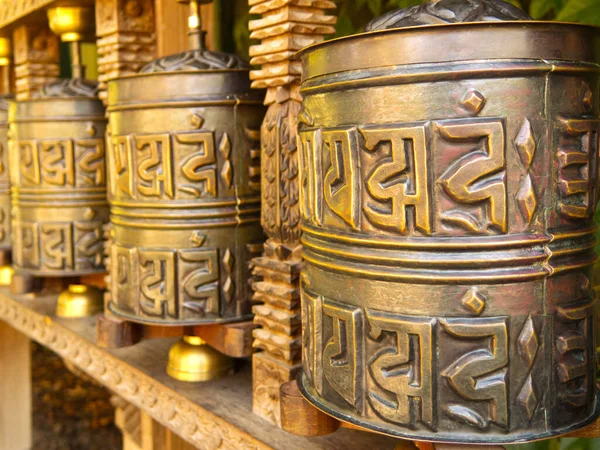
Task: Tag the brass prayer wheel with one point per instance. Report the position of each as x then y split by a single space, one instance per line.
58 180
184 163
449 177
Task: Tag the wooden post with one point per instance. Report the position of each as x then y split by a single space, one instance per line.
126 38
286 26
15 389
35 50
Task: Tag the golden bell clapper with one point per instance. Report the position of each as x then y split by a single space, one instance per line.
79 301
191 359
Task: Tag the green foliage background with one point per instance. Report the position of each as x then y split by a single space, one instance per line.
353 15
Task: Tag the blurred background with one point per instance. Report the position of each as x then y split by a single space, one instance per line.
85 420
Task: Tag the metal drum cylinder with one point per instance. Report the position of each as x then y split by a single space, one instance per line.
184 163
449 178
5 235
58 179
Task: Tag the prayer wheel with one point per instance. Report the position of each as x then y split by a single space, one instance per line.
448 182
58 181
184 163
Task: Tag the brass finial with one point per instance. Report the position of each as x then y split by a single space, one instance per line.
191 359
195 32
74 24
5 60
79 300
6 273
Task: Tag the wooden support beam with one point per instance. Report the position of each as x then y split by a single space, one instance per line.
126 38
300 417
35 50
284 27
15 389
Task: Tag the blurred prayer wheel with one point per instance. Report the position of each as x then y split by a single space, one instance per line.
5 235
449 177
58 181
184 163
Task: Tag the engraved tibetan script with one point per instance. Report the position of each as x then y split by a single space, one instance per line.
166 283
164 166
446 176
391 365
61 162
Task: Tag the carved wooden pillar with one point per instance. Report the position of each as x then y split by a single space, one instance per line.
286 26
126 38
36 58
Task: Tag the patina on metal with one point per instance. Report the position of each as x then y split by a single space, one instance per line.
58 180
448 182
184 162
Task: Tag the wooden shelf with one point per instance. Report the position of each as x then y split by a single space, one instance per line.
216 414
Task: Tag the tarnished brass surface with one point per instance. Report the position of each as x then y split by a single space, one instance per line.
191 359
79 301
185 202
448 182
58 181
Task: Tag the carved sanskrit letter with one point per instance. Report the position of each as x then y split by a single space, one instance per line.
121 158
343 355
478 176
199 167
57 245
577 169
88 245
480 374
406 370
157 283
27 245
156 169
400 179
57 162
199 281
91 161
311 170
312 337
30 161
573 350
124 274
341 184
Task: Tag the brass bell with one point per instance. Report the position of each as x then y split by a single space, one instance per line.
79 301
191 359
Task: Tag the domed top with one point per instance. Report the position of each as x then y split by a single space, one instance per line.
70 87
446 12
196 60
